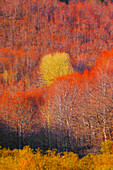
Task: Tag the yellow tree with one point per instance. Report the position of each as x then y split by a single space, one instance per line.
54 65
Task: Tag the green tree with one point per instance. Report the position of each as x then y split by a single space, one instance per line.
54 65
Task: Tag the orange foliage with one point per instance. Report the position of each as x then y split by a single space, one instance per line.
76 111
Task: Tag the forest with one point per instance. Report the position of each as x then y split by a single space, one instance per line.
56 78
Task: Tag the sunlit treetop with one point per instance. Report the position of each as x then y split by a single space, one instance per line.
54 65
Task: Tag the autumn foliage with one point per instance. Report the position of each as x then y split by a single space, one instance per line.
56 83
26 158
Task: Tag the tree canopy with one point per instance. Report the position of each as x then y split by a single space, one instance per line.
54 65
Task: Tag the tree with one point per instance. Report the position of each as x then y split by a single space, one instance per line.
59 113
103 93
54 65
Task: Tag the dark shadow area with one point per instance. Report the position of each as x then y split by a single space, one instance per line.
66 1
80 66
43 140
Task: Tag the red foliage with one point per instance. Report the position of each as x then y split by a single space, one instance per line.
75 108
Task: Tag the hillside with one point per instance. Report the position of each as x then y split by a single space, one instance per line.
56 74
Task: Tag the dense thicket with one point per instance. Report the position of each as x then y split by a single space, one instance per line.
75 112
26 158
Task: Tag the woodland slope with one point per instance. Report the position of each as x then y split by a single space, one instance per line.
56 74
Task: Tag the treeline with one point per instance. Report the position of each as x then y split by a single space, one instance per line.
34 159
56 69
